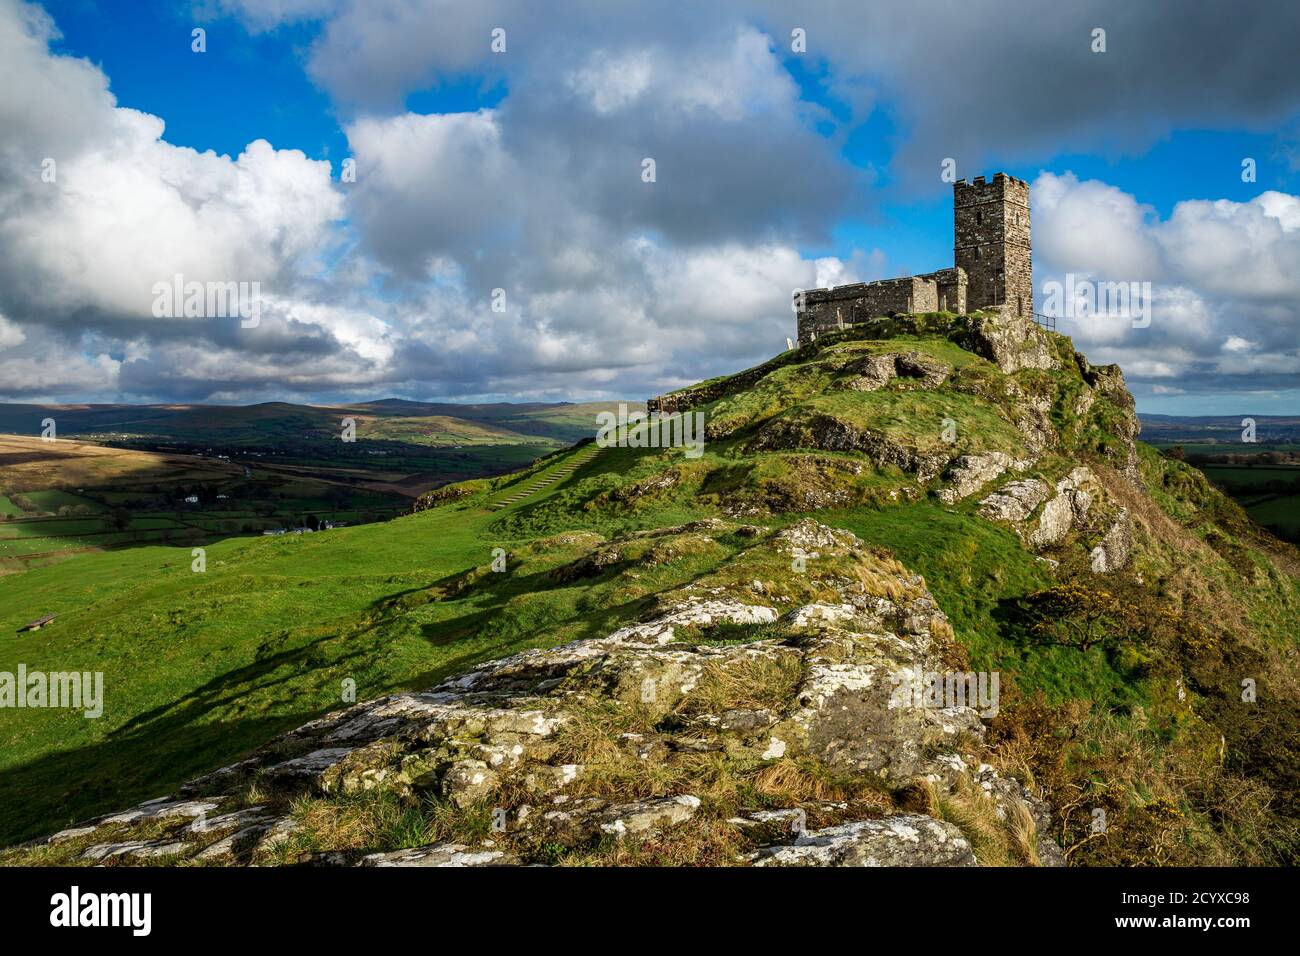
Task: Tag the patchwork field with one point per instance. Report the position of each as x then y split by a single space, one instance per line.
1269 493
67 496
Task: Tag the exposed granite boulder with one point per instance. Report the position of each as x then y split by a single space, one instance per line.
926 372
656 484
443 854
1113 551
1070 504
467 782
969 473
648 816
140 849
870 373
828 433
1015 501
905 840
874 372
1054 523
1034 422
1012 342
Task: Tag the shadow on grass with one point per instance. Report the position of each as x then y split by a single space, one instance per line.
156 750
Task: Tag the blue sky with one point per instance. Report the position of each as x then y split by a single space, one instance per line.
518 171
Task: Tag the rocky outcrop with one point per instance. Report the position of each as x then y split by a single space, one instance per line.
533 740
828 433
656 484
1066 509
1034 422
1060 514
904 840
1015 501
969 473
442 496
1113 551
442 854
1108 382
1012 342
876 371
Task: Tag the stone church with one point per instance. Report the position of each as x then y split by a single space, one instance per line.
993 267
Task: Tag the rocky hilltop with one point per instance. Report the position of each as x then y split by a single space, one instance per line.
736 659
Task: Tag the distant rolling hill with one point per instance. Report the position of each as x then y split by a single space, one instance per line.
270 423
122 475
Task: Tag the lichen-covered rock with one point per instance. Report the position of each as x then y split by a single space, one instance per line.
1013 342
1015 501
1113 551
874 372
1070 504
442 496
1054 523
969 473
904 840
161 808
467 782
833 434
926 372
648 816
1107 381
443 854
141 849
262 831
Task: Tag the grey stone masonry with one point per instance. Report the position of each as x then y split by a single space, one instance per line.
993 267
826 309
991 241
951 286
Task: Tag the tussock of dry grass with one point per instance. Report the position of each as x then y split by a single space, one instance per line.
995 842
755 682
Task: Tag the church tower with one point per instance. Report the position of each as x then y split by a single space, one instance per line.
991 242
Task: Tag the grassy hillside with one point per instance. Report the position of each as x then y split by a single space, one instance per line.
202 667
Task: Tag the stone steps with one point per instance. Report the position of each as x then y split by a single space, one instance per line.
546 480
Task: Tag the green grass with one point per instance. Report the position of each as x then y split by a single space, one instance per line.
1192 447
974 569
1250 476
8 508
58 527
201 668
919 417
1282 512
